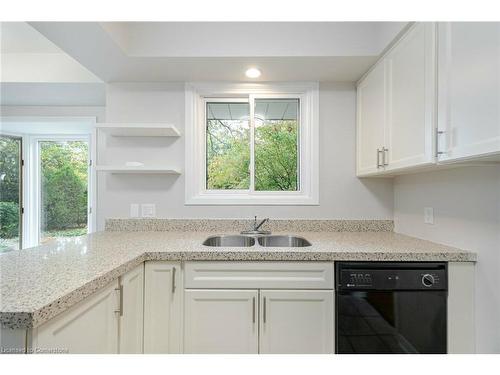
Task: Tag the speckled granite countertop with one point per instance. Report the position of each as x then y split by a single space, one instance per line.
37 284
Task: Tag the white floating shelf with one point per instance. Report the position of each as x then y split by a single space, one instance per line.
139 130
136 170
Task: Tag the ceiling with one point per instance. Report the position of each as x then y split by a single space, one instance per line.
28 56
19 37
203 51
35 71
258 39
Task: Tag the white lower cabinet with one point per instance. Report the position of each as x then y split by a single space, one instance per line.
296 321
461 308
163 307
149 310
278 307
131 311
251 321
221 321
89 327
109 321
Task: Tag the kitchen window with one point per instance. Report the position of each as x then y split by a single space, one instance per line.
252 144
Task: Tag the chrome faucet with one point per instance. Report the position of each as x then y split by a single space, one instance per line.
256 227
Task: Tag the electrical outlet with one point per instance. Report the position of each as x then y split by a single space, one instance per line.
148 210
428 215
134 209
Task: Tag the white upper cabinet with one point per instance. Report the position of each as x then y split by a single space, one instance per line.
435 97
469 90
396 106
411 99
371 102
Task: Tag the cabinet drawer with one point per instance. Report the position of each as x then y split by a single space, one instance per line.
255 275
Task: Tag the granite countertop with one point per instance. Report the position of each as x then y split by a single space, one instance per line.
37 284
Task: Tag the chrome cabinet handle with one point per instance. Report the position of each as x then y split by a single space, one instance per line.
438 133
264 312
378 158
253 310
120 309
384 157
173 280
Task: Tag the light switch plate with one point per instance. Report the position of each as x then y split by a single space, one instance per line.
134 209
428 215
148 210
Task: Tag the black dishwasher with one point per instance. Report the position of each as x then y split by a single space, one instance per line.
396 307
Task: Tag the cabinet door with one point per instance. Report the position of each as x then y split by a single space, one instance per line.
371 104
296 321
411 99
469 89
131 319
221 321
89 327
162 307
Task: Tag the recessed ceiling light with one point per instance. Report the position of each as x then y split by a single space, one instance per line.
253 73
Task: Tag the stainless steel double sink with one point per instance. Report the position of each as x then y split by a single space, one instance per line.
249 241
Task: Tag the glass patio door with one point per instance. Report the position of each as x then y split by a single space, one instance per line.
64 188
11 204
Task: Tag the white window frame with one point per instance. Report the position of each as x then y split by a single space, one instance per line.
31 172
23 175
197 94
35 198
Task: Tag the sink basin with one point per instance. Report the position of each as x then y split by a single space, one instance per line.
230 241
283 241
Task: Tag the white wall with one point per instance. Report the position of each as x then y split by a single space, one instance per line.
18 109
342 195
53 94
466 204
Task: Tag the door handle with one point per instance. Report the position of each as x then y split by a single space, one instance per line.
264 312
253 310
120 308
384 157
173 280
438 133
378 158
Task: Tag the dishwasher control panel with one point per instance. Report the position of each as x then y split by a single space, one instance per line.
391 276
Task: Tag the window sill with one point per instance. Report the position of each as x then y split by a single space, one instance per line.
232 199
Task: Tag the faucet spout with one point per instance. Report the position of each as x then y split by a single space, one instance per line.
257 227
